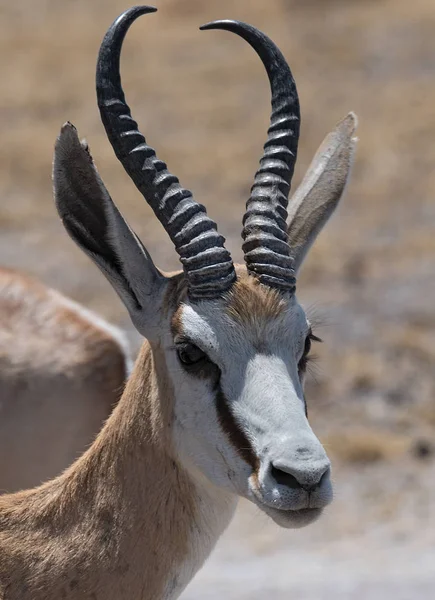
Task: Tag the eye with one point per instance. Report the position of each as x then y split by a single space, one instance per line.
189 354
302 366
307 348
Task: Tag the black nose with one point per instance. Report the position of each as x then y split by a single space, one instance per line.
299 481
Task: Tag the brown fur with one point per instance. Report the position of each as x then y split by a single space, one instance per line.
251 303
102 530
126 518
248 302
61 375
234 432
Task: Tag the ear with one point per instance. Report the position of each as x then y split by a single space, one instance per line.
321 189
96 225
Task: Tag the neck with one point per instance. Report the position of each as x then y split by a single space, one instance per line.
126 520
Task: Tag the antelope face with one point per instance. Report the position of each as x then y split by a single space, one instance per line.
240 413
235 339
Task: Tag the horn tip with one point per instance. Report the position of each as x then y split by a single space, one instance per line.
130 15
208 25
142 8
216 24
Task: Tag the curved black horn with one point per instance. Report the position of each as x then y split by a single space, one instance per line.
208 267
267 252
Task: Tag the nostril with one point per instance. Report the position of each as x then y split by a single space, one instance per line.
289 480
325 476
283 478
312 487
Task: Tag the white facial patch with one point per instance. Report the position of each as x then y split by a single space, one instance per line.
198 330
256 381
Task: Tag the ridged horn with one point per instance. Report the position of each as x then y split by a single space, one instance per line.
207 265
267 252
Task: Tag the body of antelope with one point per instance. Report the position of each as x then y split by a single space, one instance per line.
62 370
214 409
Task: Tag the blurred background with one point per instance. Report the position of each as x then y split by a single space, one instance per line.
202 99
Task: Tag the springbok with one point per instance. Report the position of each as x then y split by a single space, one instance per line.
214 408
62 371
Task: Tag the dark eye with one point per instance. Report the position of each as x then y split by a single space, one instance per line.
307 348
302 366
189 354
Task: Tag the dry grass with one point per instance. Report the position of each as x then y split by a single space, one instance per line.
203 100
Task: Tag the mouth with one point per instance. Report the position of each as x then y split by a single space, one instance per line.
291 519
303 513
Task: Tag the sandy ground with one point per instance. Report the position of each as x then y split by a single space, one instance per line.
377 541
202 99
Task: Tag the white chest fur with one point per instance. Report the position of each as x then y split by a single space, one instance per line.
215 511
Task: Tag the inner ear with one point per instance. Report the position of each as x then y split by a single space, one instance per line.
323 186
94 222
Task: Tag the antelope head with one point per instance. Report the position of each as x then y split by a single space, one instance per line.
233 340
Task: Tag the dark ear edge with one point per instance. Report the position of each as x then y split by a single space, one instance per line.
93 221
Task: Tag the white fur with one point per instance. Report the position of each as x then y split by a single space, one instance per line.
216 509
265 395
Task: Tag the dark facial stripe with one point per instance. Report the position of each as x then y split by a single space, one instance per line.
234 432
